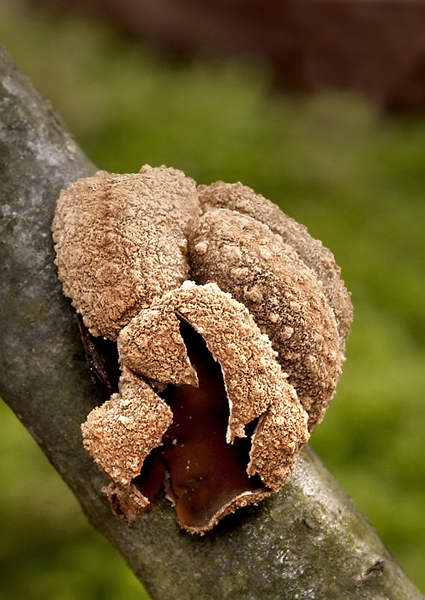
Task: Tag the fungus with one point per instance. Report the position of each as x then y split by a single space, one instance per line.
285 298
313 254
121 433
111 232
229 321
221 378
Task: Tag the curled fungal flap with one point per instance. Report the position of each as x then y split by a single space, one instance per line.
216 455
122 432
151 345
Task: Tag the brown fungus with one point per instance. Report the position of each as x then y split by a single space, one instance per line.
239 197
111 230
231 324
121 433
287 302
238 385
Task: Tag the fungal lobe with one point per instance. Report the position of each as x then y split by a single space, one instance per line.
217 390
110 230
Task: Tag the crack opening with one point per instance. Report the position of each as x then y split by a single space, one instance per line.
202 472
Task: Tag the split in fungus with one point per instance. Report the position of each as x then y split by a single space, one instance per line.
223 428
205 474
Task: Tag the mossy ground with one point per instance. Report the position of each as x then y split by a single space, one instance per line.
354 177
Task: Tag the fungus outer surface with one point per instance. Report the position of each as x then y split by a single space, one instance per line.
111 231
282 294
239 197
122 432
214 458
230 322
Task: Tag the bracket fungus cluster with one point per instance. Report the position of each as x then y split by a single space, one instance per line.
230 323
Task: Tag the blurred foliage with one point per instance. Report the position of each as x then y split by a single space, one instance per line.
355 178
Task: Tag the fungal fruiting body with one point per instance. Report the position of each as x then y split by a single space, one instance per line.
230 323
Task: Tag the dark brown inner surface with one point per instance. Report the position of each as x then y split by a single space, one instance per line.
102 358
204 472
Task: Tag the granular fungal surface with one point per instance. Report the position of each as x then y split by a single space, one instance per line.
230 323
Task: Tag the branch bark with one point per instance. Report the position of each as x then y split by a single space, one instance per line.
308 541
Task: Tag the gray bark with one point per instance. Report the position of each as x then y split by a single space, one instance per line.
308 541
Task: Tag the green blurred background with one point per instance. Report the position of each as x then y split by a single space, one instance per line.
354 177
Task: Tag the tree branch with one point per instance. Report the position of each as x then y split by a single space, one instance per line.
308 541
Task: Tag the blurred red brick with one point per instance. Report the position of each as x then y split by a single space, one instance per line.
376 47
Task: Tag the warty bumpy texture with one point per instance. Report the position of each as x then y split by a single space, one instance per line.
136 253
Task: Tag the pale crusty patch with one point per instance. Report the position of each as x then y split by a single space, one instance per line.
282 294
122 432
276 442
151 345
120 242
239 197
